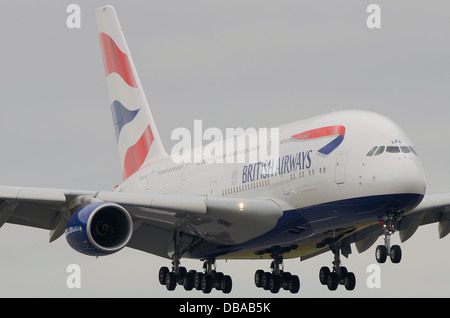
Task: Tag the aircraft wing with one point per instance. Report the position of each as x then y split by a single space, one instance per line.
154 216
434 208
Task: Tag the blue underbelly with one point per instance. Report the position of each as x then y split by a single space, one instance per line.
300 225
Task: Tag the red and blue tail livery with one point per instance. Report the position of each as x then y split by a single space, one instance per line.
138 141
116 61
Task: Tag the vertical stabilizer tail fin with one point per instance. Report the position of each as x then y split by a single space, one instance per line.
138 139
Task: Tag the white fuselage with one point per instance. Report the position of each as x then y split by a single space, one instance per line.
301 177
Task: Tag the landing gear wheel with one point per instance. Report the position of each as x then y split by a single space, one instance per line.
207 284
323 275
198 280
332 281
188 280
277 279
266 281
163 271
381 254
171 281
350 281
274 283
294 284
339 275
395 254
226 284
258 278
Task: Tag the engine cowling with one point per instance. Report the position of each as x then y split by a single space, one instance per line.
99 229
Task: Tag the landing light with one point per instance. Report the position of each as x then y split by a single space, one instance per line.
241 206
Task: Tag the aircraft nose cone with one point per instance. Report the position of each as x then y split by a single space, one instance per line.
410 175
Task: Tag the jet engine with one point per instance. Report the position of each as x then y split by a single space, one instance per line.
99 229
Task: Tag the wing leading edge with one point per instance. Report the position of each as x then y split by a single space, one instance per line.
217 220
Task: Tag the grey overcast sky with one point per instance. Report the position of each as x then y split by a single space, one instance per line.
248 63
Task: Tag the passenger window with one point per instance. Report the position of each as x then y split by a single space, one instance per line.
379 151
372 151
392 149
405 149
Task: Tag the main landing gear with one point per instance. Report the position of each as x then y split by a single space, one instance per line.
278 278
205 281
339 275
383 251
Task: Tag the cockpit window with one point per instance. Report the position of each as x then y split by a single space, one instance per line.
379 151
405 149
392 149
372 151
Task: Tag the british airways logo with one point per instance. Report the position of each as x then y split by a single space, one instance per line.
295 162
337 130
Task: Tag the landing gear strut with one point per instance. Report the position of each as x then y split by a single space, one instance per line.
205 281
211 279
383 251
339 275
278 278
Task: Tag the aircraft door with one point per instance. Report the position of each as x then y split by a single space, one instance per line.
150 179
285 183
213 188
341 161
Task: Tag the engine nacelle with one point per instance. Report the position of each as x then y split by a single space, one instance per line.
99 229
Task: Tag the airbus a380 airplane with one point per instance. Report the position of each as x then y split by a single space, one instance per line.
340 178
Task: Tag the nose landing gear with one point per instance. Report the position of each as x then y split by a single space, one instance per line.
383 251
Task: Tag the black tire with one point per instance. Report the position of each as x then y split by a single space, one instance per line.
343 272
381 254
227 284
395 254
182 272
294 284
350 281
323 275
163 271
198 280
332 281
286 282
171 281
217 280
274 283
266 281
206 284
188 281
258 277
